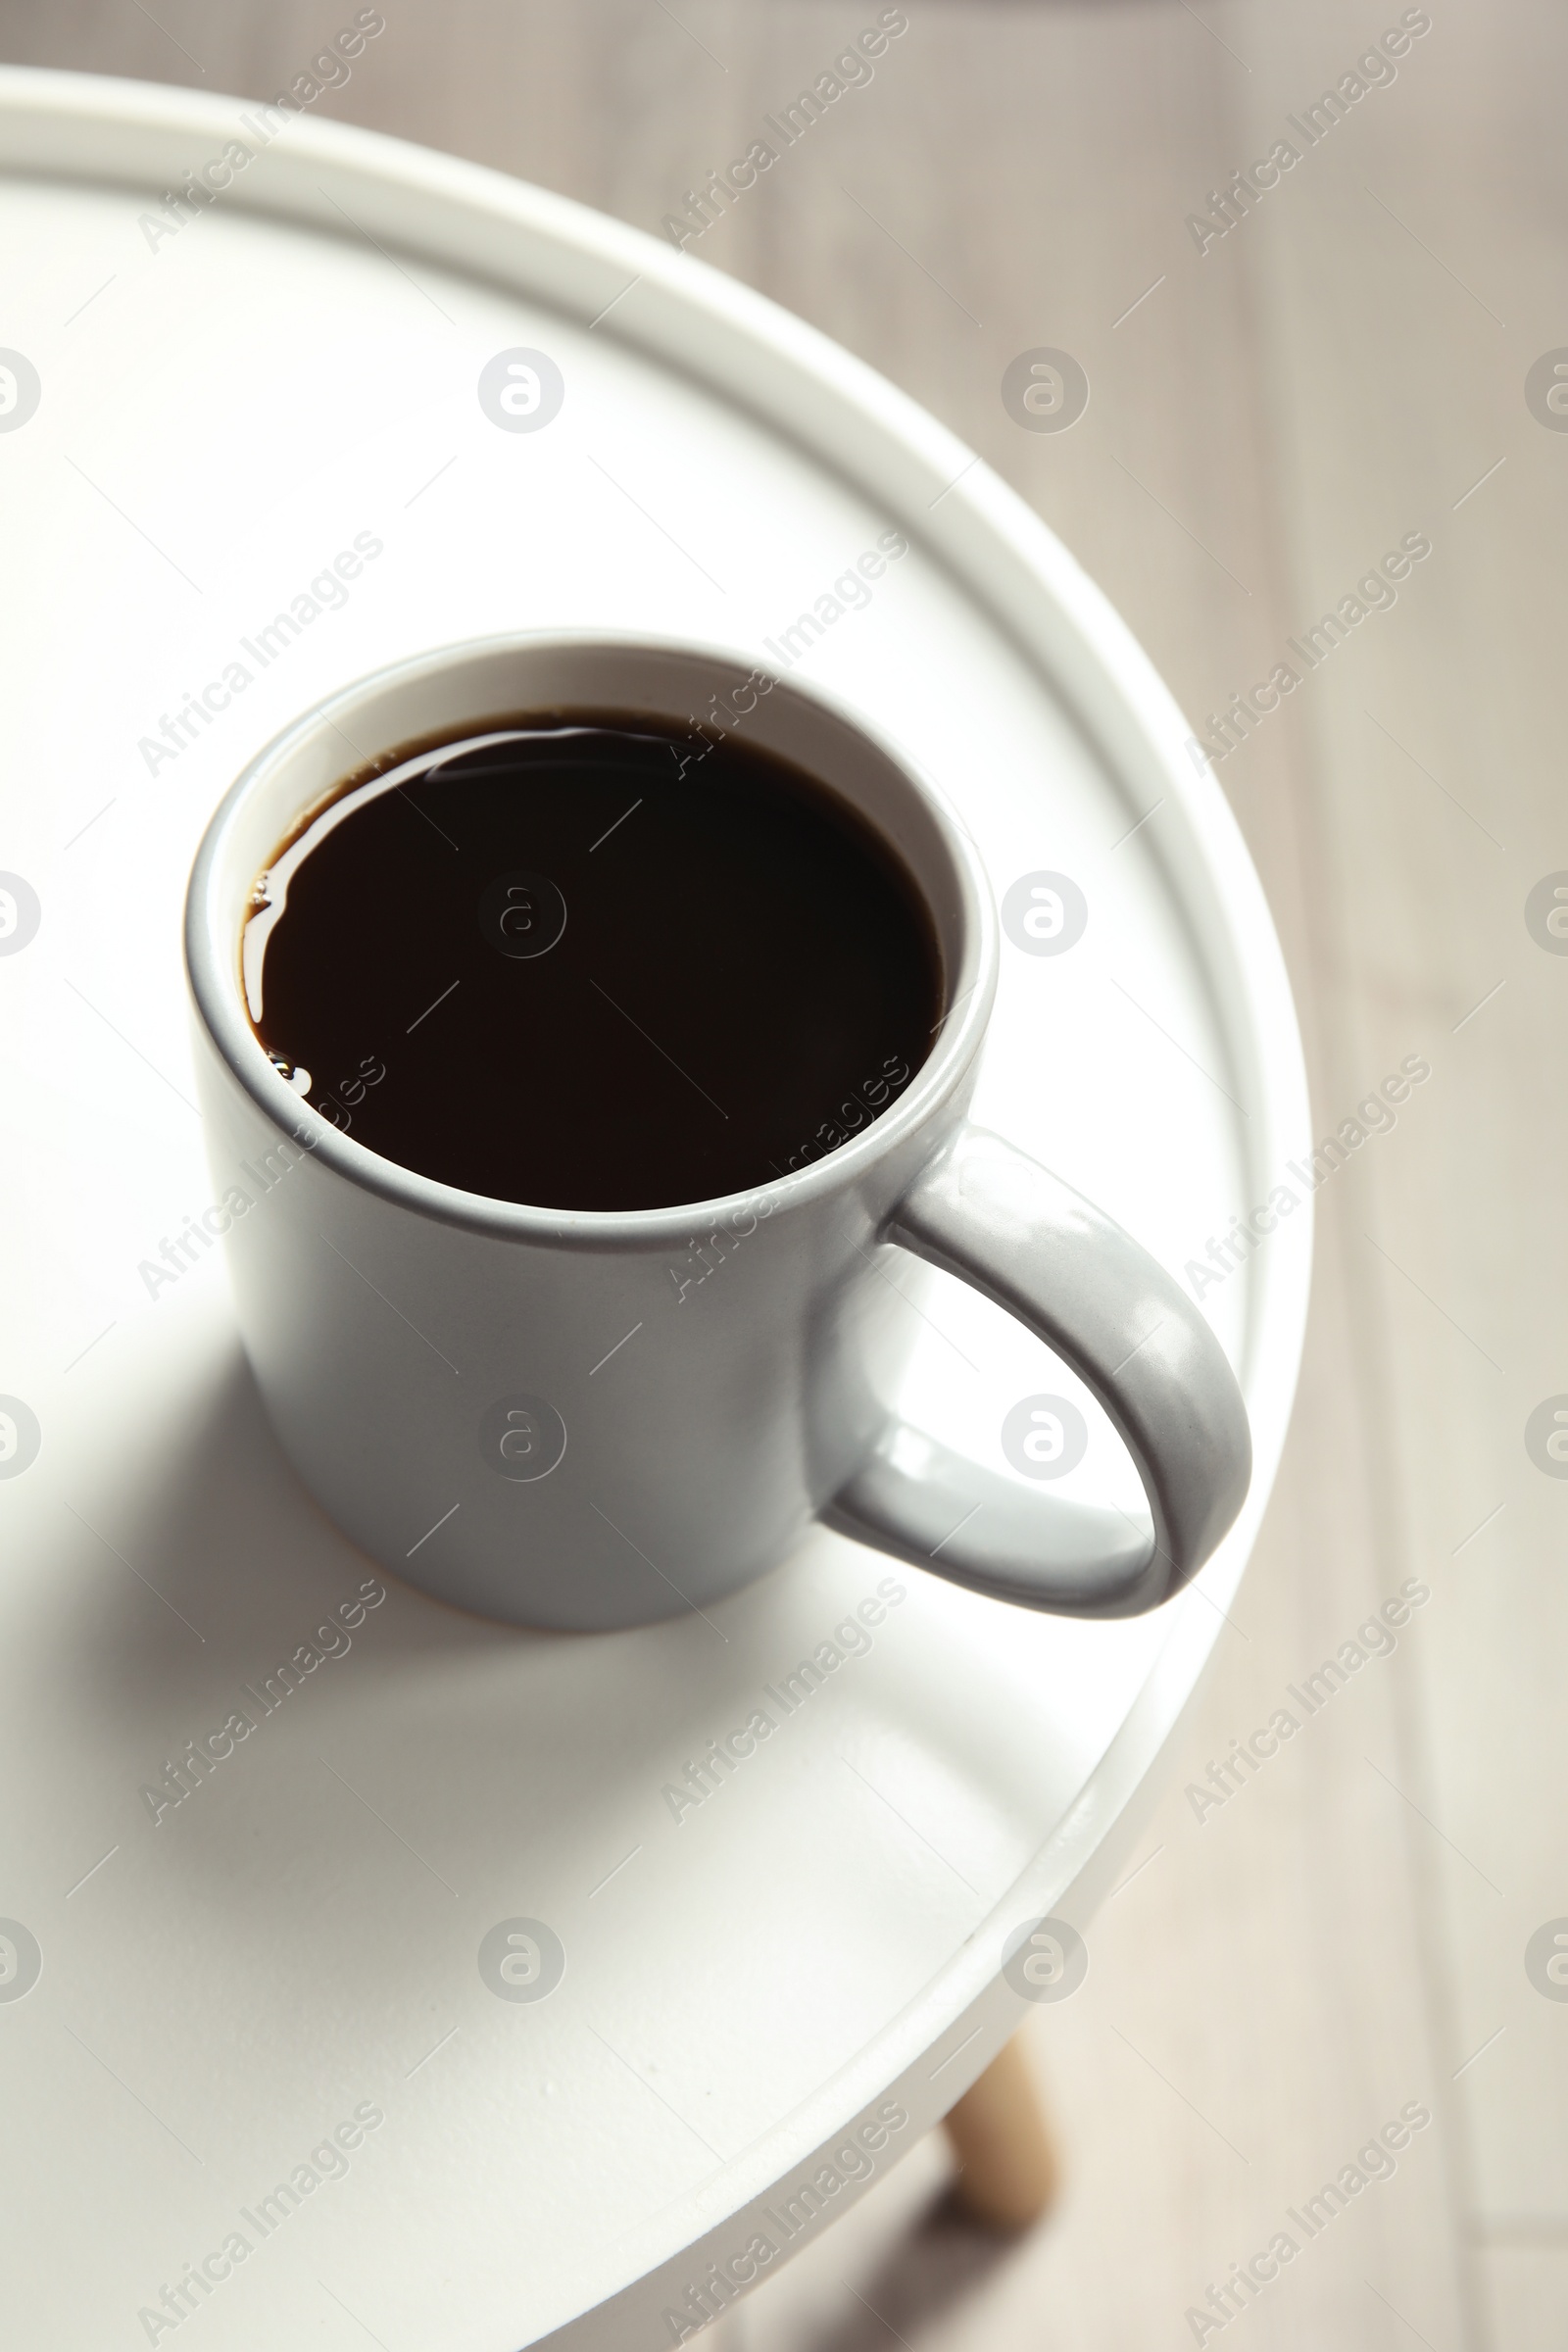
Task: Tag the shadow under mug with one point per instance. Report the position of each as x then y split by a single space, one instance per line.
433 1362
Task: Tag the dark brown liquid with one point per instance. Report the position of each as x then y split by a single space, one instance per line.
610 965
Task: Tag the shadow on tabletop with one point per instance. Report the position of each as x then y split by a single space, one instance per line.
205 1565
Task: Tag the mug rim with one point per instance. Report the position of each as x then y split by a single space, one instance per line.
217 993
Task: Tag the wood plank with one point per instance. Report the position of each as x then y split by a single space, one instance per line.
1455 1330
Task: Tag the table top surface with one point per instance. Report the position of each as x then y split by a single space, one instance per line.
295 1946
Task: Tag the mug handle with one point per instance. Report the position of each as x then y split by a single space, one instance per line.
1001 1222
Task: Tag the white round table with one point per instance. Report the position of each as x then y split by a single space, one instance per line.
261 2069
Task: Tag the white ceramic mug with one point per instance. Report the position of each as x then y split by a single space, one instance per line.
435 1363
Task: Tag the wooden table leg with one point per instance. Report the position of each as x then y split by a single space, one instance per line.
1007 2171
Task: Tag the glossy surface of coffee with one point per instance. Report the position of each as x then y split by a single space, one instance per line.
584 962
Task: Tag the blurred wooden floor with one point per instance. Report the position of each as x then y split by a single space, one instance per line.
1346 367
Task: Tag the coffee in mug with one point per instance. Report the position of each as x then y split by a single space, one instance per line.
593 961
